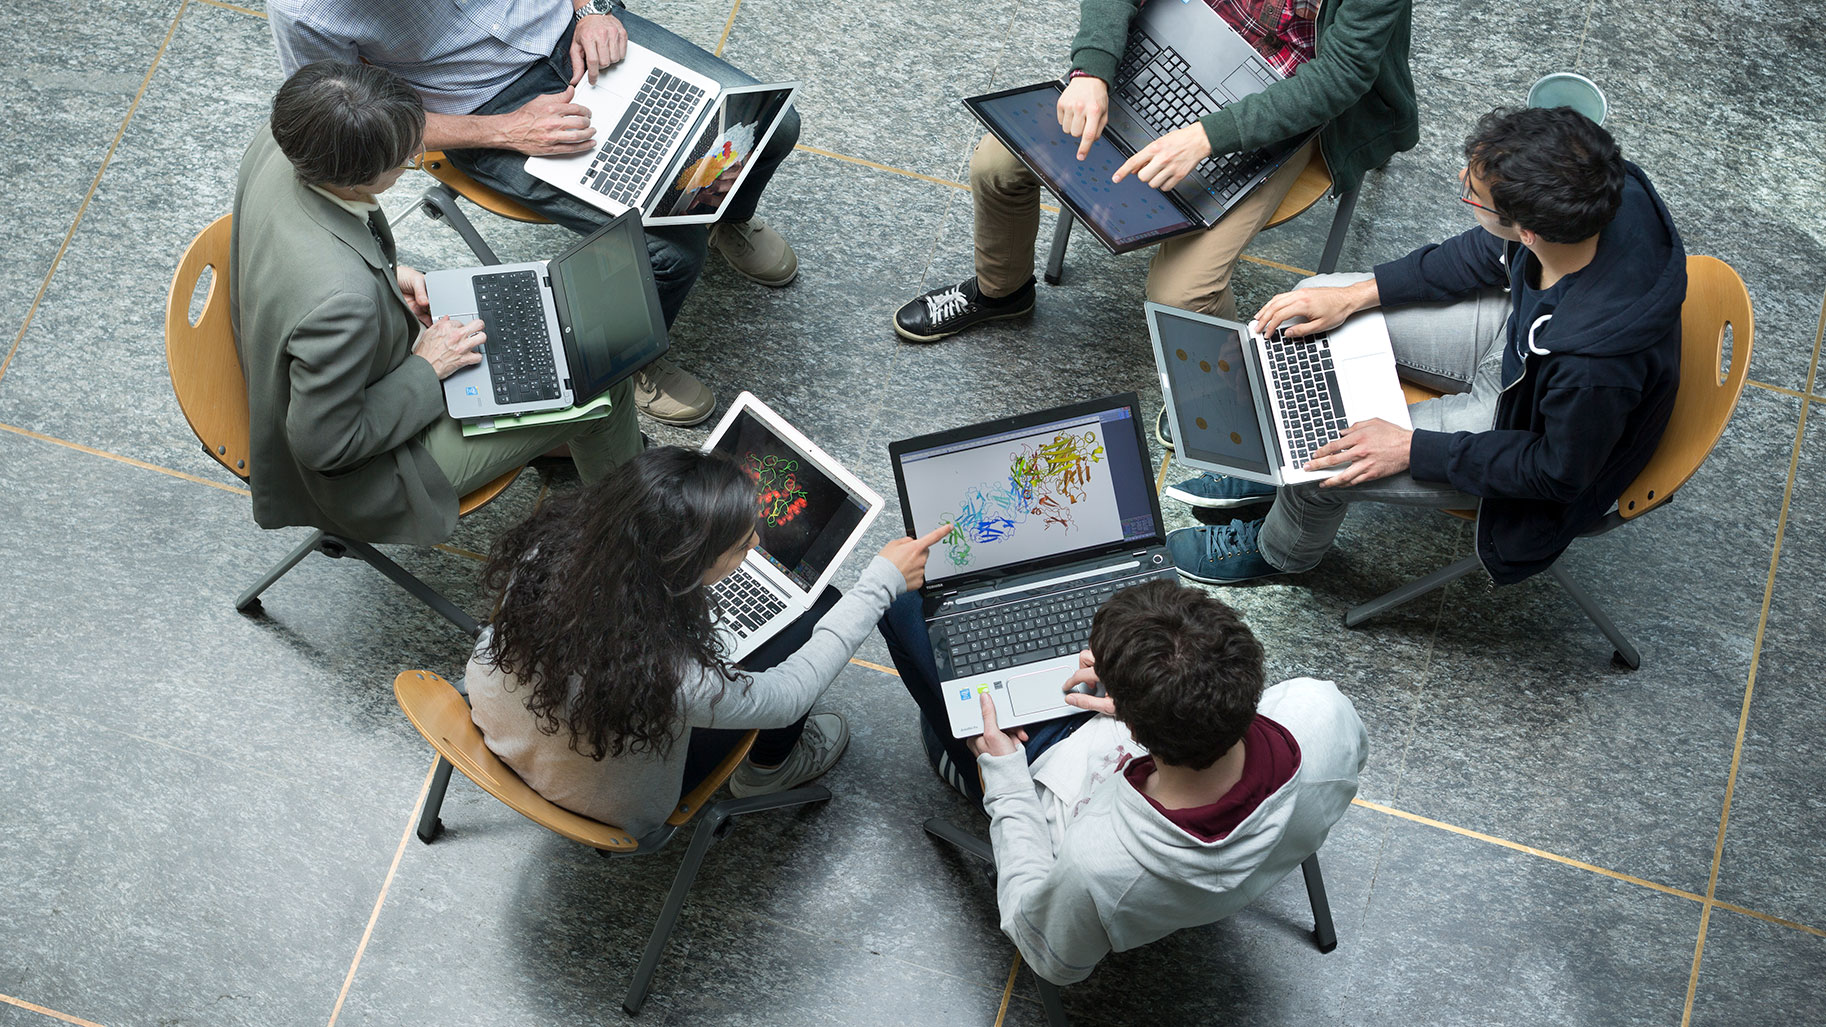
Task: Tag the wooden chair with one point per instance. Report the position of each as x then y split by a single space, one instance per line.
1324 935
1313 183
1717 303
440 201
440 713
206 375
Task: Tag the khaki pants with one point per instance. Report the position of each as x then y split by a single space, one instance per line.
1190 271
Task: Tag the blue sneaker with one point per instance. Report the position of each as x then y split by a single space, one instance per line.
1220 555
1220 492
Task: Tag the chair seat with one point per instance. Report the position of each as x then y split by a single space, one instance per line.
486 494
1312 185
439 167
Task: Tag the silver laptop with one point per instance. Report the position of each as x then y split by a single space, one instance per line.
1256 407
560 332
1051 513
812 513
674 143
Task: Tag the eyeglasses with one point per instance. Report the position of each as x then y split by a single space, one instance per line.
1464 194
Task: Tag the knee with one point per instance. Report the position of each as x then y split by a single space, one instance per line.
677 254
993 168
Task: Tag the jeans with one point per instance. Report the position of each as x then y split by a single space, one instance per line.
903 628
677 252
708 745
1455 348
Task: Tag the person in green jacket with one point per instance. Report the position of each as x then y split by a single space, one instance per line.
1347 68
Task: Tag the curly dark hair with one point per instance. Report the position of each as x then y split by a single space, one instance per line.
601 610
1183 669
1550 170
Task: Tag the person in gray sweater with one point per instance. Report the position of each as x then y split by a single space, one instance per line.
599 679
1192 794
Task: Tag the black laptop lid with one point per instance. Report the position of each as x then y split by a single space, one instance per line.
1030 492
608 306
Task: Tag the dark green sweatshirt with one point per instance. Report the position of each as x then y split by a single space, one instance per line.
1356 89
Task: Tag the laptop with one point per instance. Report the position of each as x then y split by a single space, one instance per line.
1256 407
675 143
1159 86
1051 513
560 332
812 513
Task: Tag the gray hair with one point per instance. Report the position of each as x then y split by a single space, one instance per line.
347 124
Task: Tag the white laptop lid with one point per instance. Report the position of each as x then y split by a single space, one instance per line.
709 171
812 510
1211 383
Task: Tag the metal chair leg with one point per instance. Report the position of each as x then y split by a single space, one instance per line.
1340 226
422 592
946 831
1055 258
440 202
1324 934
429 826
1412 590
1626 654
1051 1000
250 599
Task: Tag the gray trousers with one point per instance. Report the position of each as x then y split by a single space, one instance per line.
1455 348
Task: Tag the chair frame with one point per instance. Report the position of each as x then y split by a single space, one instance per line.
1706 386
201 375
1314 182
714 822
1324 933
440 203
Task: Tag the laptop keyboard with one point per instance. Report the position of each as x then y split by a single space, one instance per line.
519 346
1158 86
1312 406
1010 635
745 604
641 140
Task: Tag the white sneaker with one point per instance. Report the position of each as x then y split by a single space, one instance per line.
756 250
816 752
671 395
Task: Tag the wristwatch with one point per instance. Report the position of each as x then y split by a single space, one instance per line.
608 7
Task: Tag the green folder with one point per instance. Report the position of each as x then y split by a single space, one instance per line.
598 407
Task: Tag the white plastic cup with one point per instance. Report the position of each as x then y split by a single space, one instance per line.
1565 89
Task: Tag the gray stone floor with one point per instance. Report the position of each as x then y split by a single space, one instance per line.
204 817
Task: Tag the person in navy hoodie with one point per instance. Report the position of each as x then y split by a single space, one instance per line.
1554 329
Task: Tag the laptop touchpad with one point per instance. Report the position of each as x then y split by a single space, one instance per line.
1037 691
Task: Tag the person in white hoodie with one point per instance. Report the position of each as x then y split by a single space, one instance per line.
1192 794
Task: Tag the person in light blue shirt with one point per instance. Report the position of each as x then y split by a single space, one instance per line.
497 79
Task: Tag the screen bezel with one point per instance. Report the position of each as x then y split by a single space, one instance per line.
1252 367
628 226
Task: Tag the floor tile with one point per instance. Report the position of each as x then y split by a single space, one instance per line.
1757 972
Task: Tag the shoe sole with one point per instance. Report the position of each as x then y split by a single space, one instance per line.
1159 423
771 283
1189 576
910 337
1206 503
679 422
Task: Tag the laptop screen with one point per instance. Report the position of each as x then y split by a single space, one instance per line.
714 162
1046 490
805 516
1214 405
609 307
1127 213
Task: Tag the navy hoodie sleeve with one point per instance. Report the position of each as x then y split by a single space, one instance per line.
1581 426
1447 270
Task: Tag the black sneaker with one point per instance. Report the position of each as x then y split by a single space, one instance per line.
950 310
1163 430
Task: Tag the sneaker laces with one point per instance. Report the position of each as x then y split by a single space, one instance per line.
947 304
1237 538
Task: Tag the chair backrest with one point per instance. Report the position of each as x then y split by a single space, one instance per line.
439 167
205 371
1717 303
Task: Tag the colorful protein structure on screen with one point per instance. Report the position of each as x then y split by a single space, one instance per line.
1043 482
776 487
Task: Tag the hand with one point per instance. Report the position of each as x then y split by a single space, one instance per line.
909 555
450 345
1084 108
549 125
412 287
598 42
1373 448
1086 674
1165 161
994 740
1323 307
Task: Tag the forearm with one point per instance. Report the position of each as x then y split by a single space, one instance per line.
464 131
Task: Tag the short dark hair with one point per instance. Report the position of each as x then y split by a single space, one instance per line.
1183 669
347 124
1550 170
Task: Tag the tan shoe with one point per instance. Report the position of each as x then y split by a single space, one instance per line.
671 395
756 250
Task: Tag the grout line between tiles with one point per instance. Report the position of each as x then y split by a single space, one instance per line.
860 662
1756 655
727 25
104 454
83 207
392 871
1008 989
52 1013
1782 390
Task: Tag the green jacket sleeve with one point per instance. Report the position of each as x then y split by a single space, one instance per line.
1103 31
338 419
